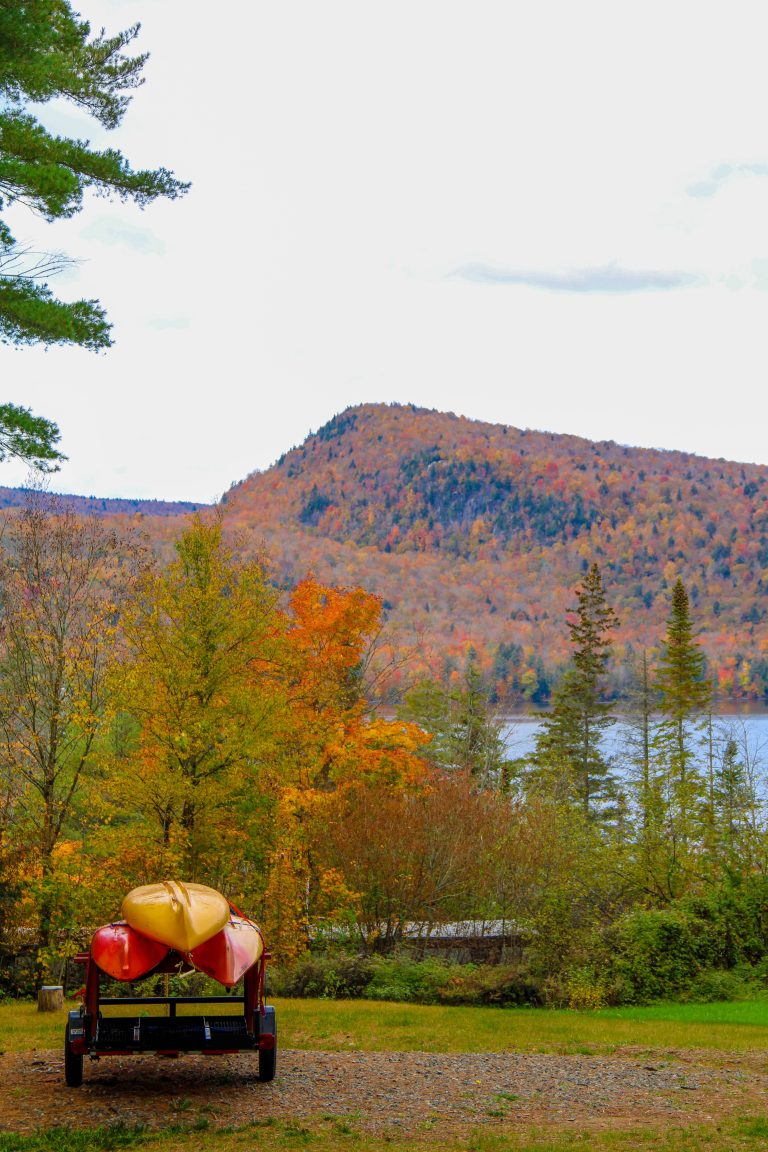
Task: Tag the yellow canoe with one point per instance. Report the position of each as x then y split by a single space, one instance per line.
182 916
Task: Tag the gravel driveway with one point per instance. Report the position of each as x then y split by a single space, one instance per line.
379 1090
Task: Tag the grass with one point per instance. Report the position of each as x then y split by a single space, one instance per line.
329 1134
363 1025
348 1025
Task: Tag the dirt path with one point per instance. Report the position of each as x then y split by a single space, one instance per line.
402 1091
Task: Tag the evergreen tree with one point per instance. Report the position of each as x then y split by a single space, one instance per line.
734 809
568 754
29 437
653 869
466 736
685 695
47 52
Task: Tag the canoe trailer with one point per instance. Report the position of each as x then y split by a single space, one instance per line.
90 1033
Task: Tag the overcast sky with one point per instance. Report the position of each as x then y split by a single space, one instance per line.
546 214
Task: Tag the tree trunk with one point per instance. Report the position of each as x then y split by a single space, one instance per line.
50 998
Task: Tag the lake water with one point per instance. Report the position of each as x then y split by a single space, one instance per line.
520 733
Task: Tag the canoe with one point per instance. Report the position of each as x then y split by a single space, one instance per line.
230 953
181 916
123 953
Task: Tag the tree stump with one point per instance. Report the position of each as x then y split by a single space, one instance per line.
50 998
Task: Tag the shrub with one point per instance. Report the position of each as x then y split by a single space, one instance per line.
715 984
402 978
502 986
583 991
331 978
656 955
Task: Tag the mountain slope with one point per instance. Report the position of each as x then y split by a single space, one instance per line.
476 535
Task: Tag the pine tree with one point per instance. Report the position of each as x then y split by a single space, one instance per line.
568 750
47 52
654 871
29 437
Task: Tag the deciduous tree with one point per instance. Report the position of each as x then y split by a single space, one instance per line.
61 582
201 639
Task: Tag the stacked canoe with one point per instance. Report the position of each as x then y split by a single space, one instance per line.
192 921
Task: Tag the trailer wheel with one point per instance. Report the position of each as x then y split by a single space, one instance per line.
268 1056
73 1064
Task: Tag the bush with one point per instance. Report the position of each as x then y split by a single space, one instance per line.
657 955
328 977
503 986
402 978
700 948
714 985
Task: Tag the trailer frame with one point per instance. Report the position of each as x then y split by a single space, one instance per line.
90 1033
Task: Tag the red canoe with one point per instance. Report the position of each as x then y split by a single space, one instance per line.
230 953
124 953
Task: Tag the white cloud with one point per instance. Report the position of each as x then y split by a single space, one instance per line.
611 278
112 230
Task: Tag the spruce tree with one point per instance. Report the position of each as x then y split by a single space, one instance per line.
685 695
734 805
568 753
466 735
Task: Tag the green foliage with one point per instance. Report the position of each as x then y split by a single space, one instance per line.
26 436
684 696
465 733
681 681
333 978
713 986
412 981
403 979
48 52
30 314
698 948
568 759
656 955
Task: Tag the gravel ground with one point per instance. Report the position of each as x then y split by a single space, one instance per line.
379 1090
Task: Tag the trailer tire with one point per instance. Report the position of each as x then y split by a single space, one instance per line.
268 1056
73 1064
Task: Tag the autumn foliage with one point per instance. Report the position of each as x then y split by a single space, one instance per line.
201 706
472 533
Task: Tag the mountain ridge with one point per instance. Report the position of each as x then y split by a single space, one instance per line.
478 533
475 535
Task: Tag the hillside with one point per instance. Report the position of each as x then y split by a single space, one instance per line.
105 506
475 535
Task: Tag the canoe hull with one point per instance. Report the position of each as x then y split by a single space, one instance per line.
123 953
229 954
181 916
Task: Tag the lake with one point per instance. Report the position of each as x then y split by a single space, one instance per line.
520 733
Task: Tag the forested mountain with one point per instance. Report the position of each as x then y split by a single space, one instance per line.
475 535
105 506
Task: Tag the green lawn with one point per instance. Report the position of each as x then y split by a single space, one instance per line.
346 1025
752 1012
331 1134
